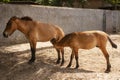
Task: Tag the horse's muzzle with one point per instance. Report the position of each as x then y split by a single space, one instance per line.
5 35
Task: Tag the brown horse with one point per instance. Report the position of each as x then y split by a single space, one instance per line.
35 31
86 40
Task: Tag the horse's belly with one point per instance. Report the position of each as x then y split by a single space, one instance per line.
44 39
89 45
45 36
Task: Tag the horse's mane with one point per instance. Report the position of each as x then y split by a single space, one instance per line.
26 18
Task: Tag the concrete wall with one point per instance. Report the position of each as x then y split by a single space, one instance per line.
68 19
112 21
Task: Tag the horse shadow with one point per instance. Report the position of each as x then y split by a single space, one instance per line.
11 67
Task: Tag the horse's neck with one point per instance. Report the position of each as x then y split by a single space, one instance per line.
22 26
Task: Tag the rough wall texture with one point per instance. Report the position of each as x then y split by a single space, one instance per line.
68 19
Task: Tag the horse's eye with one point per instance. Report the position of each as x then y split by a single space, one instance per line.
9 24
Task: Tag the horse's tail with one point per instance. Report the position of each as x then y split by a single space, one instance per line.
60 34
111 42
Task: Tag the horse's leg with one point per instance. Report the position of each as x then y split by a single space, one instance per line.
33 50
62 52
53 41
76 58
71 58
103 49
58 52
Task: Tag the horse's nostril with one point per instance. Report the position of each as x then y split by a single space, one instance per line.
5 35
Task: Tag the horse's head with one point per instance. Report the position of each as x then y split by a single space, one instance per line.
10 27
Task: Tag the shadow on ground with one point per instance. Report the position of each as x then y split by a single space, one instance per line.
13 66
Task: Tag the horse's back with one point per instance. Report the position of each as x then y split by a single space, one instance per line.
46 32
79 40
89 39
102 38
97 33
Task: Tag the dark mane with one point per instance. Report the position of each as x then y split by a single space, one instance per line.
26 18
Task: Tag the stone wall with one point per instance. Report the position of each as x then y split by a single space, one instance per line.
69 19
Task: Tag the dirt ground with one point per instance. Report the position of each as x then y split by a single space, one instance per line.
14 66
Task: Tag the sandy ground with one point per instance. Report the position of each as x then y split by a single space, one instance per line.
14 66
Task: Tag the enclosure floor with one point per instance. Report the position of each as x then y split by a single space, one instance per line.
14 63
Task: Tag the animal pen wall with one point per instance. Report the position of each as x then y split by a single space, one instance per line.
69 19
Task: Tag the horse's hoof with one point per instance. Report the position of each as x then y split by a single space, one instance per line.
31 61
68 66
76 67
58 61
107 71
62 63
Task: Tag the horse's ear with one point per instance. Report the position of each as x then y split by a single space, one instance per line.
26 18
14 18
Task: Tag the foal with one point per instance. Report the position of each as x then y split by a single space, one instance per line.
86 40
35 31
